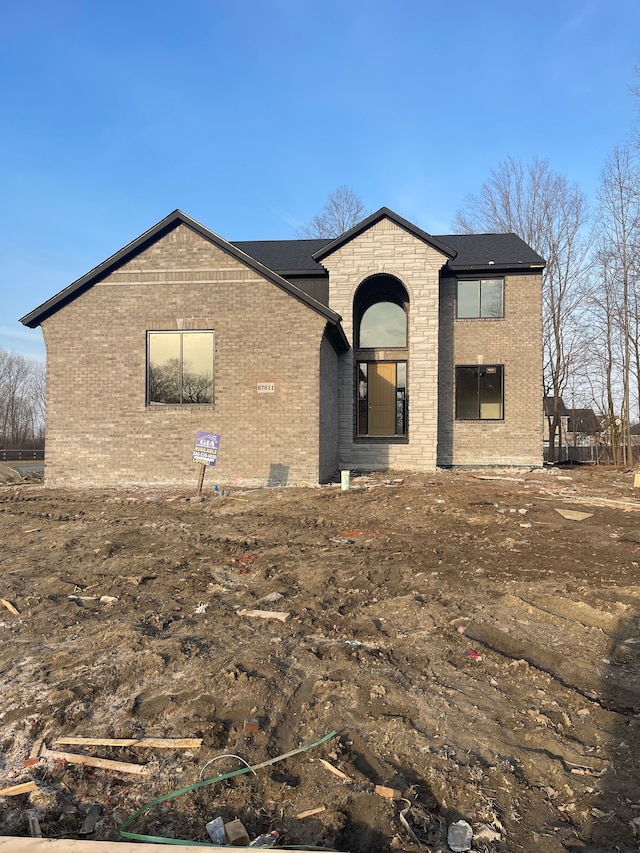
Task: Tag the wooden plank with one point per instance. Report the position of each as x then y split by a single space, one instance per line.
311 812
36 748
11 844
389 793
333 769
14 790
146 742
101 763
265 614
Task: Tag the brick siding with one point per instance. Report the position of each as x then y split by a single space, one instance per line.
100 430
515 341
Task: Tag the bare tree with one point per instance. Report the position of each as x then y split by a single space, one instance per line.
619 229
552 216
342 210
601 376
21 400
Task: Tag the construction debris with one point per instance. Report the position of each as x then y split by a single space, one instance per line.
9 606
22 788
101 763
265 614
145 742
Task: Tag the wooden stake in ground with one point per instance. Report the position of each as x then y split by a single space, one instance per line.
200 480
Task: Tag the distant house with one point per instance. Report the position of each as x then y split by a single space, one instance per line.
584 428
560 437
579 429
635 435
386 348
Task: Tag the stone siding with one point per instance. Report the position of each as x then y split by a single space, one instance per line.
386 248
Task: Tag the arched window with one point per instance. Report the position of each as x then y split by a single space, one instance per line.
380 318
383 324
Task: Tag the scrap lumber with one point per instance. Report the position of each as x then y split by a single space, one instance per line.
388 793
311 812
12 844
36 749
333 769
101 763
146 742
9 606
14 790
265 614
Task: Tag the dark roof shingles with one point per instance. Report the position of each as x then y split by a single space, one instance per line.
290 255
482 250
479 251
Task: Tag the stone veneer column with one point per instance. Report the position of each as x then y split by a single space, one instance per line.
386 248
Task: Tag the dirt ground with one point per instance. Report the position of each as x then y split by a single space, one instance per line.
472 648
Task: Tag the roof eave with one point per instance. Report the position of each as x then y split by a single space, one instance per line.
35 317
513 267
305 273
42 312
337 336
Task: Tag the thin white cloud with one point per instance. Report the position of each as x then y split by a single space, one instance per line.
583 13
286 216
27 342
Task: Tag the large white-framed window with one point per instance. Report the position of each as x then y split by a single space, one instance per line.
180 367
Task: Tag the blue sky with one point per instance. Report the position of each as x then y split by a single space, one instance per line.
245 115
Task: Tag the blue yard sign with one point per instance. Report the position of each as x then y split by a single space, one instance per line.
205 450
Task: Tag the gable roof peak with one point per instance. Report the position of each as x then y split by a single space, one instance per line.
372 219
169 223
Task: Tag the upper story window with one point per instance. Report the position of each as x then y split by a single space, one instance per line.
180 368
480 298
380 322
383 324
